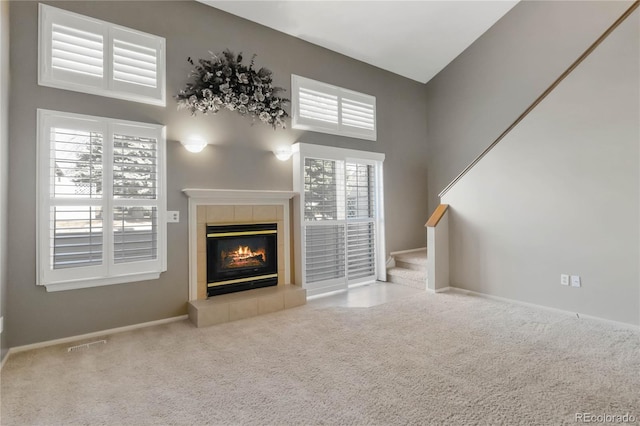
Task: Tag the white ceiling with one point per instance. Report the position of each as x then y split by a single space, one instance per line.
415 39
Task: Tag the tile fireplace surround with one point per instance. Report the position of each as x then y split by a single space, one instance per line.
224 207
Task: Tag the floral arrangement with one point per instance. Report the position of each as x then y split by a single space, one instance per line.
223 82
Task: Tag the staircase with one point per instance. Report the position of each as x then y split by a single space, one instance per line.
410 269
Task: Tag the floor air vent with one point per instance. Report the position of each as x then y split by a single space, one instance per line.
85 346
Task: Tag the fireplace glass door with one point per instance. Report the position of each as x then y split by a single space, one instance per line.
241 257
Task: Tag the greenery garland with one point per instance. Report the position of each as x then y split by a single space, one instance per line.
223 82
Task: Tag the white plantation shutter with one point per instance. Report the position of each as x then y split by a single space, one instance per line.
77 54
361 250
136 61
135 167
361 224
359 112
76 237
330 109
71 169
88 55
135 234
325 253
136 188
316 109
323 180
101 201
318 106
324 217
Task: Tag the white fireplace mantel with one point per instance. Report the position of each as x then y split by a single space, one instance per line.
216 196
208 197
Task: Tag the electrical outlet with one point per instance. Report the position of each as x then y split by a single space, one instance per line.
564 279
173 217
575 280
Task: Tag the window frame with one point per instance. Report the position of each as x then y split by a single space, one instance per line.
108 272
106 86
339 128
302 151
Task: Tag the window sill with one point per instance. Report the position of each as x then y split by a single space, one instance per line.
99 282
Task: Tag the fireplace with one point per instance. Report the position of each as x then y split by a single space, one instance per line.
241 257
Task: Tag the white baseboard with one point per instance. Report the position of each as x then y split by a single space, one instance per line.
546 308
91 335
440 290
393 253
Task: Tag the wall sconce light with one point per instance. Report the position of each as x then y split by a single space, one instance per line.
194 144
283 153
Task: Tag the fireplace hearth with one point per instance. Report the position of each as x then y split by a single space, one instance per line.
241 257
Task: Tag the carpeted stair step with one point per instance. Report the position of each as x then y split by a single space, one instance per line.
415 260
408 277
411 265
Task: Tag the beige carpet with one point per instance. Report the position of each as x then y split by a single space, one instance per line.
431 359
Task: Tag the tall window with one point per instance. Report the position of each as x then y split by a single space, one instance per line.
321 107
102 203
341 217
88 55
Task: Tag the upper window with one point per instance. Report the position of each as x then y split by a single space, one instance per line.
92 56
101 201
330 109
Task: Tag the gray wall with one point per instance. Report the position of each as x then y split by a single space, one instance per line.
4 142
476 97
560 194
239 159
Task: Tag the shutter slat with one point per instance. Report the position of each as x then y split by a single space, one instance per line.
76 169
135 234
361 250
318 106
77 57
135 64
125 69
77 51
358 114
76 237
324 262
135 169
77 67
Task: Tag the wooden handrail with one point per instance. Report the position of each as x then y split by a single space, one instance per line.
436 216
544 94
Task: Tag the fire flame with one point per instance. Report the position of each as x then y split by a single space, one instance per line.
244 252
242 257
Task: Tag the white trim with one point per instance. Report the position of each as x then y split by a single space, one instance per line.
440 290
376 159
323 295
237 196
327 124
92 335
362 282
99 282
108 272
395 253
212 197
546 308
334 153
106 85
325 289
